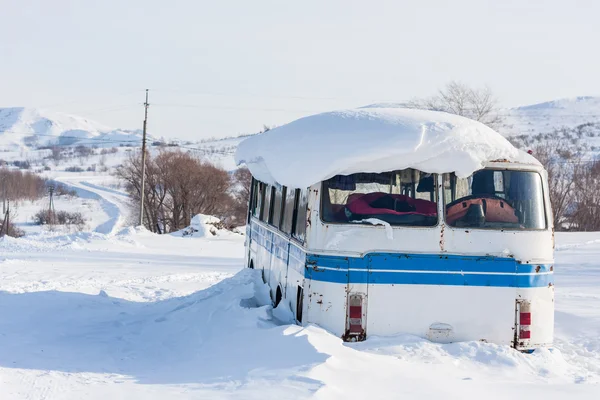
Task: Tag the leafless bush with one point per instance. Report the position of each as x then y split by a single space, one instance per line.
62 190
66 218
112 150
7 227
458 98
20 185
83 151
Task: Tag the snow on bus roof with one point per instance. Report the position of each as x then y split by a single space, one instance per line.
315 148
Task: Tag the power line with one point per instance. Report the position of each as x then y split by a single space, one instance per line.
218 107
120 94
217 94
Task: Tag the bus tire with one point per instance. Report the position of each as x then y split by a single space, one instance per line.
251 266
278 296
299 301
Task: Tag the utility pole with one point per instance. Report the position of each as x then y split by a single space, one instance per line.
5 222
51 209
146 104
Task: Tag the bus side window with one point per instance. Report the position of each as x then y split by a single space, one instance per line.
302 203
258 199
277 206
266 205
261 200
282 212
253 198
288 210
272 207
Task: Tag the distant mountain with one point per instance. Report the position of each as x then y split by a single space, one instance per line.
549 116
30 128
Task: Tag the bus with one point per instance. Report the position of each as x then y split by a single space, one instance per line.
439 255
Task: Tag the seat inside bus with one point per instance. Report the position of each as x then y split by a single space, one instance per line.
483 205
353 205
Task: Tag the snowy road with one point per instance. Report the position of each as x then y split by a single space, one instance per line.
116 204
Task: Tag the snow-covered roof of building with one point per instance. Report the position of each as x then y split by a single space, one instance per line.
315 148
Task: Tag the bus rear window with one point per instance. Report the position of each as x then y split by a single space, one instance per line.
407 197
495 199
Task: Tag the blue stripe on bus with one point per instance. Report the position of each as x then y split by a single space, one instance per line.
422 269
425 278
405 269
428 262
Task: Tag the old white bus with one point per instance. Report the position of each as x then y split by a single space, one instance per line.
440 229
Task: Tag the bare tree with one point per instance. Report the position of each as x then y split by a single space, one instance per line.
178 186
586 196
559 159
458 98
16 185
240 194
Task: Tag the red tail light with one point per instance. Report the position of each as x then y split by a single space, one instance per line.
525 320
355 312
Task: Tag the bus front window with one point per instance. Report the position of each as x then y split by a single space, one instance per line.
407 197
495 199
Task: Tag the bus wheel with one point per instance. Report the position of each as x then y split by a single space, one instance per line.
251 264
278 296
299 301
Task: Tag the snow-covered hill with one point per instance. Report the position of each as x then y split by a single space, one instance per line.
29 127
24 129
546 117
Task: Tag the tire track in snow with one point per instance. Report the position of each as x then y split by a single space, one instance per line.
114 203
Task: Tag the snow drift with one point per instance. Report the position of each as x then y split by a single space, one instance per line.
318 147
203 226
138 315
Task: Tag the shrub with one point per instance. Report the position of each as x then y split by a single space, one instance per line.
62 190
21 185
47 217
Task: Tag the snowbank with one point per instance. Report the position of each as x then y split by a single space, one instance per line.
104 318
318 147
203 226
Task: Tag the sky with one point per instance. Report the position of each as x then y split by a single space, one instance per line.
224 68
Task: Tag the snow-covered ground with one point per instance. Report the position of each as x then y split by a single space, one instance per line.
125 313
104 206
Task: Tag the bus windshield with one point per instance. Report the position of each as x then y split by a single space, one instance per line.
495 199
406 197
